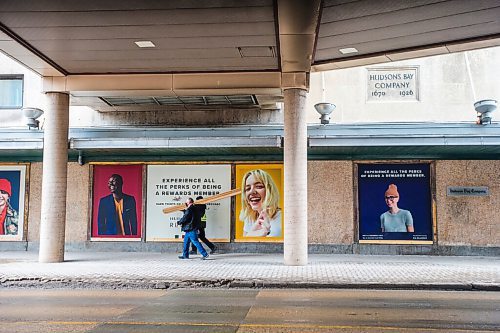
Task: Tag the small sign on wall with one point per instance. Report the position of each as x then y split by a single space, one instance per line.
468 191
392 84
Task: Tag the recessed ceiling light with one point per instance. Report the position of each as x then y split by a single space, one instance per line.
348 50
145 43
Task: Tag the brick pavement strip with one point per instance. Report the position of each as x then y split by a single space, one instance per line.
163 271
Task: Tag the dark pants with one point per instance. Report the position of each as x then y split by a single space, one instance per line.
202 238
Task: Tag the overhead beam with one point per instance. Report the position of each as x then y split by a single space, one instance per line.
259 83
298 24
190 142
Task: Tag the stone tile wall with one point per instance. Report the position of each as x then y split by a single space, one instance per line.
461 221
468 220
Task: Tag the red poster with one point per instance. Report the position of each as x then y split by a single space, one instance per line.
117 202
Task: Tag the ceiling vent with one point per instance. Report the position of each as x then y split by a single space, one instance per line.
257 51
240 100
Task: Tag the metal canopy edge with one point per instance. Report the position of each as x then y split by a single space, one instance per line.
333 141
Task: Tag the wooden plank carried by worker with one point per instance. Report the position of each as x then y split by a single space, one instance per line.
213 198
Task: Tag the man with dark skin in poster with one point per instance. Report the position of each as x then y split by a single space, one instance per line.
117 212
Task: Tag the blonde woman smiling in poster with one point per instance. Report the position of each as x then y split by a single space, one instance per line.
260 210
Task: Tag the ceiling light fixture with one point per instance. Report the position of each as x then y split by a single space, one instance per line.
145 43
348 50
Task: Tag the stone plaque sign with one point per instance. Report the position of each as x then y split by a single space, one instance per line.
392 84
470 191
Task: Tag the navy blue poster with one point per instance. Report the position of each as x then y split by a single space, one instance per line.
12 179
12 195
394 203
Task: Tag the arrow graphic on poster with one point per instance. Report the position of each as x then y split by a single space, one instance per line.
213 198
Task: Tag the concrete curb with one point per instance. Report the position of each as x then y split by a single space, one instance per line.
66 283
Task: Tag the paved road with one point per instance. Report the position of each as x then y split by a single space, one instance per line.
247 310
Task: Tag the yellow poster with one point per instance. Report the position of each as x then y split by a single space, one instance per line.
259 207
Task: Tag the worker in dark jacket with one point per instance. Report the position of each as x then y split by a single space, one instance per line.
189 223
201 209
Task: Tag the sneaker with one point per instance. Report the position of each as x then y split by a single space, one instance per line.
193 252
215 249
205 257
182 257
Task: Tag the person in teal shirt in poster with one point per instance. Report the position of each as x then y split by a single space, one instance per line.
395 219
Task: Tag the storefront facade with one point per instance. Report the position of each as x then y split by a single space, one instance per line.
453 201
446 173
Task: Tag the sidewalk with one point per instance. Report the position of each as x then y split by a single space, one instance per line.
236 270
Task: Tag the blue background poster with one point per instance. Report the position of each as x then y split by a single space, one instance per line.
14 177
413 185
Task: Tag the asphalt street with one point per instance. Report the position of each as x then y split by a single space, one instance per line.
247 310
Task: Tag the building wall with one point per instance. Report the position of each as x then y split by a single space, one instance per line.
447 93
78 197
31 94
326 223
468 220
461 221
35 203
330 206
77 207
200 118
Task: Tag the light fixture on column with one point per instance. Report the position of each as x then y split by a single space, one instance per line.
485 108
325 109
31 115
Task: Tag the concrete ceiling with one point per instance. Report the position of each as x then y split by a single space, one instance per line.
226 47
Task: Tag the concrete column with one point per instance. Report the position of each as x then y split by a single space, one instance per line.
54 182
295 164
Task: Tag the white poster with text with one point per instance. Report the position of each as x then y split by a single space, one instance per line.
171 185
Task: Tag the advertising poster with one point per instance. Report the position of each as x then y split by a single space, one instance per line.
172 185
12 195
394 203
117 202
259 207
